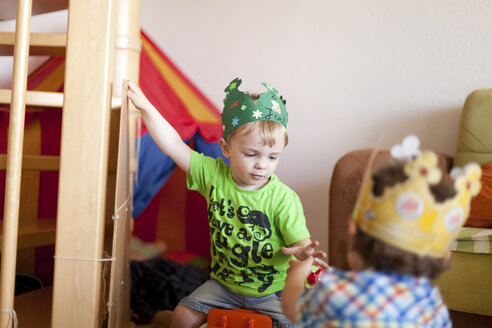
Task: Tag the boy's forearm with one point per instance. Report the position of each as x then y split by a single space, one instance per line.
167 138
303 242
291 293
164 135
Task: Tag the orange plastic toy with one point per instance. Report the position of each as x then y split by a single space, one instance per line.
237 318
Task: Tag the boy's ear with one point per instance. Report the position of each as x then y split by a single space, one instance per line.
352 231
447 257
225 148
352 228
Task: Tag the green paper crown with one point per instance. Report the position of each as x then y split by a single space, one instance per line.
240 109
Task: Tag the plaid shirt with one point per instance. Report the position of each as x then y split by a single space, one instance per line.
372 299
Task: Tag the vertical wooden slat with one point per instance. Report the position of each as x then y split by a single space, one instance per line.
83 164
127 66
119 294
14 159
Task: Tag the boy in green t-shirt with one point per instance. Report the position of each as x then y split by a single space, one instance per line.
256 222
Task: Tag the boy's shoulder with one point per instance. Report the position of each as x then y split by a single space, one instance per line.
282 189
274 180
198 157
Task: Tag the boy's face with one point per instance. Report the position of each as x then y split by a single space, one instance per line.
252 163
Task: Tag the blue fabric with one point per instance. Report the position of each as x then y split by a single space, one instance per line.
155 167
208 148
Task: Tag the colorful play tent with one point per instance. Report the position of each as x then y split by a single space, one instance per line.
44 126
196 119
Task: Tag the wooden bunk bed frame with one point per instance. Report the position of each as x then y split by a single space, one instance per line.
102 48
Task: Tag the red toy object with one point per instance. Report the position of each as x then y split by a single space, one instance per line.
237 318
313 277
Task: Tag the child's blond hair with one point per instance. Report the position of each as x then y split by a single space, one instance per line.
270 132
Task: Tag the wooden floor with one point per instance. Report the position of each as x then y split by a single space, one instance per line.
467 320
33 310
161 320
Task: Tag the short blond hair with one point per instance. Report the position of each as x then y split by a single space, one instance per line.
270 131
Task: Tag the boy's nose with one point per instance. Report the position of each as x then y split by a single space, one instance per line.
259 164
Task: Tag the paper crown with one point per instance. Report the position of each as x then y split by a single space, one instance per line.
240 109
406 215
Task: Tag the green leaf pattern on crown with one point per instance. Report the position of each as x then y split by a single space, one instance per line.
240 109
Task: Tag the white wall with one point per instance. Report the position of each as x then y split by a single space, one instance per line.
47 23
351 71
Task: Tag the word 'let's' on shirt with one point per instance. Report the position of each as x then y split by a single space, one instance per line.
248 228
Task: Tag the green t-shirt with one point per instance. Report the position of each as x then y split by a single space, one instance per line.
248 228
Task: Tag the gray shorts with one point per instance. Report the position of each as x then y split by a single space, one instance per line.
212 294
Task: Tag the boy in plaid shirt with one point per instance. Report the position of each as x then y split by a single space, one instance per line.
405 219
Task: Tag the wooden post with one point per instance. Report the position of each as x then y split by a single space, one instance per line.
127 58
14 160
77 293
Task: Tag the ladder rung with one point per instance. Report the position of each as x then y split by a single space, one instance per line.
45 163
40 44
41 232
37 232
34 163
35 98
46 99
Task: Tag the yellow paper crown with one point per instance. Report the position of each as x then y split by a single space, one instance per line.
406 215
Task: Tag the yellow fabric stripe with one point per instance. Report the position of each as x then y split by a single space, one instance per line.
54 80
196 108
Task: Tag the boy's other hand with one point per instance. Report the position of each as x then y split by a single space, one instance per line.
302 252
300 269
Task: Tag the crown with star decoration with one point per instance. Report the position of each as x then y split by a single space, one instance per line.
407 215
240 109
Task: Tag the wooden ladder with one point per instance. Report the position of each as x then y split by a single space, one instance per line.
102 45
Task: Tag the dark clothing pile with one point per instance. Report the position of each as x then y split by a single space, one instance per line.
159 284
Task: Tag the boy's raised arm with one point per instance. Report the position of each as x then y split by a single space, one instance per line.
161 131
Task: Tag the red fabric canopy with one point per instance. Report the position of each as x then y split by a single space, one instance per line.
176 98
